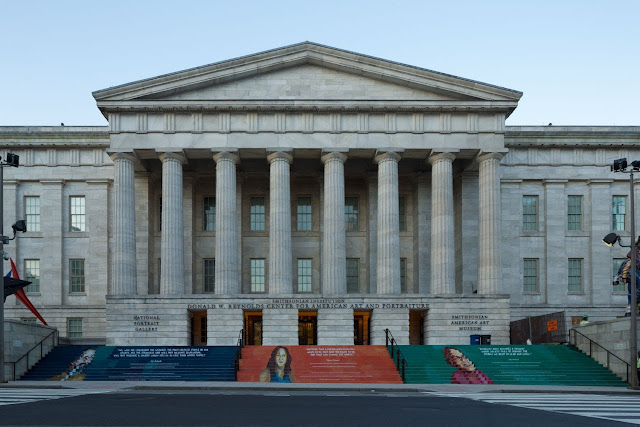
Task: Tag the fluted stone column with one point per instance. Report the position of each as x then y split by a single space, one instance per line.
280 263
489 267
172 251
388 265
124 251
227 274
442 241
334 263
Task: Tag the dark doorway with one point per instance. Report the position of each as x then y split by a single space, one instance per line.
253 327
361 331
307 328
416 327
198 327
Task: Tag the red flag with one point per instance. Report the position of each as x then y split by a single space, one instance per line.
22 296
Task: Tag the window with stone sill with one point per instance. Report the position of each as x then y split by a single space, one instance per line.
353 275
209 214
618 213
32 213
574 213
77 209
575 275
303 212
258 276
403 275
304 275
258 214
209 274
402 213
74 328
530 275
76 275
530 213
32 274
351 214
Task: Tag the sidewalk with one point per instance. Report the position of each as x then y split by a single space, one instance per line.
236 387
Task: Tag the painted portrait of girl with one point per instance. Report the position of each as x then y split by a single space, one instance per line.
278 368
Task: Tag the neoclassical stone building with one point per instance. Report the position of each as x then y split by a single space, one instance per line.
313 195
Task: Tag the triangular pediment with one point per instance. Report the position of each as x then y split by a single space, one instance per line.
306 71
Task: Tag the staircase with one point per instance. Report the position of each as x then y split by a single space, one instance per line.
325 364
511 364
105 363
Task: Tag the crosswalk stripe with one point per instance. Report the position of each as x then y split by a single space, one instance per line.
616 408
13 396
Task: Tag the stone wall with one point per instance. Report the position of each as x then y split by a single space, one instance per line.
20 338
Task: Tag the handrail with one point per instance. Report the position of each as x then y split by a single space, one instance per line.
401 362
238 355
592 343
53 344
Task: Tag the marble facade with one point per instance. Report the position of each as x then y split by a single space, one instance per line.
412 181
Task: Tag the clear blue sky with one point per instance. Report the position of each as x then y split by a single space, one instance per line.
577 62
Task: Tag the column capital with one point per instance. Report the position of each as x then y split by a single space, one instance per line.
384 155
225 155
279 155
123 155
436 157
483 156
334 155
172 155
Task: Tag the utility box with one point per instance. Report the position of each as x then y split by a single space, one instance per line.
485 339
475 339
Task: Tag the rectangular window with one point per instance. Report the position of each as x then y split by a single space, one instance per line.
530 275
617 262
351 213
575 275
257 214
209 214
619 213
530 213
209 274
74 328
304 275
402 213
32 274
304 213
32 212
76 275
353 275
403 275
77 213
574 211
257 275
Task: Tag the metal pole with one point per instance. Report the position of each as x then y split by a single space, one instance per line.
633 338
1 270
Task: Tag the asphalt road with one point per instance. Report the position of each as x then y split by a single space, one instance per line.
188 408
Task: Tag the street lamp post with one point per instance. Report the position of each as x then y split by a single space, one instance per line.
11 160
620 165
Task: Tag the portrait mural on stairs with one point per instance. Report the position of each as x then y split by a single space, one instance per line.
278 368
466 372
74 372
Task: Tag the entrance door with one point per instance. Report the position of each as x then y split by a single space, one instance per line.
361 328
199 328
416 322
307 328
253 328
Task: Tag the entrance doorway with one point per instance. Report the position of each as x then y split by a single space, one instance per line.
253 327
361 330
416 328
307 328
198 327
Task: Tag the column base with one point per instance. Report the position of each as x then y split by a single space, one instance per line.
335 326
394 319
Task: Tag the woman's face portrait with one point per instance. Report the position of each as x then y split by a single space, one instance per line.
281 358
461 361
